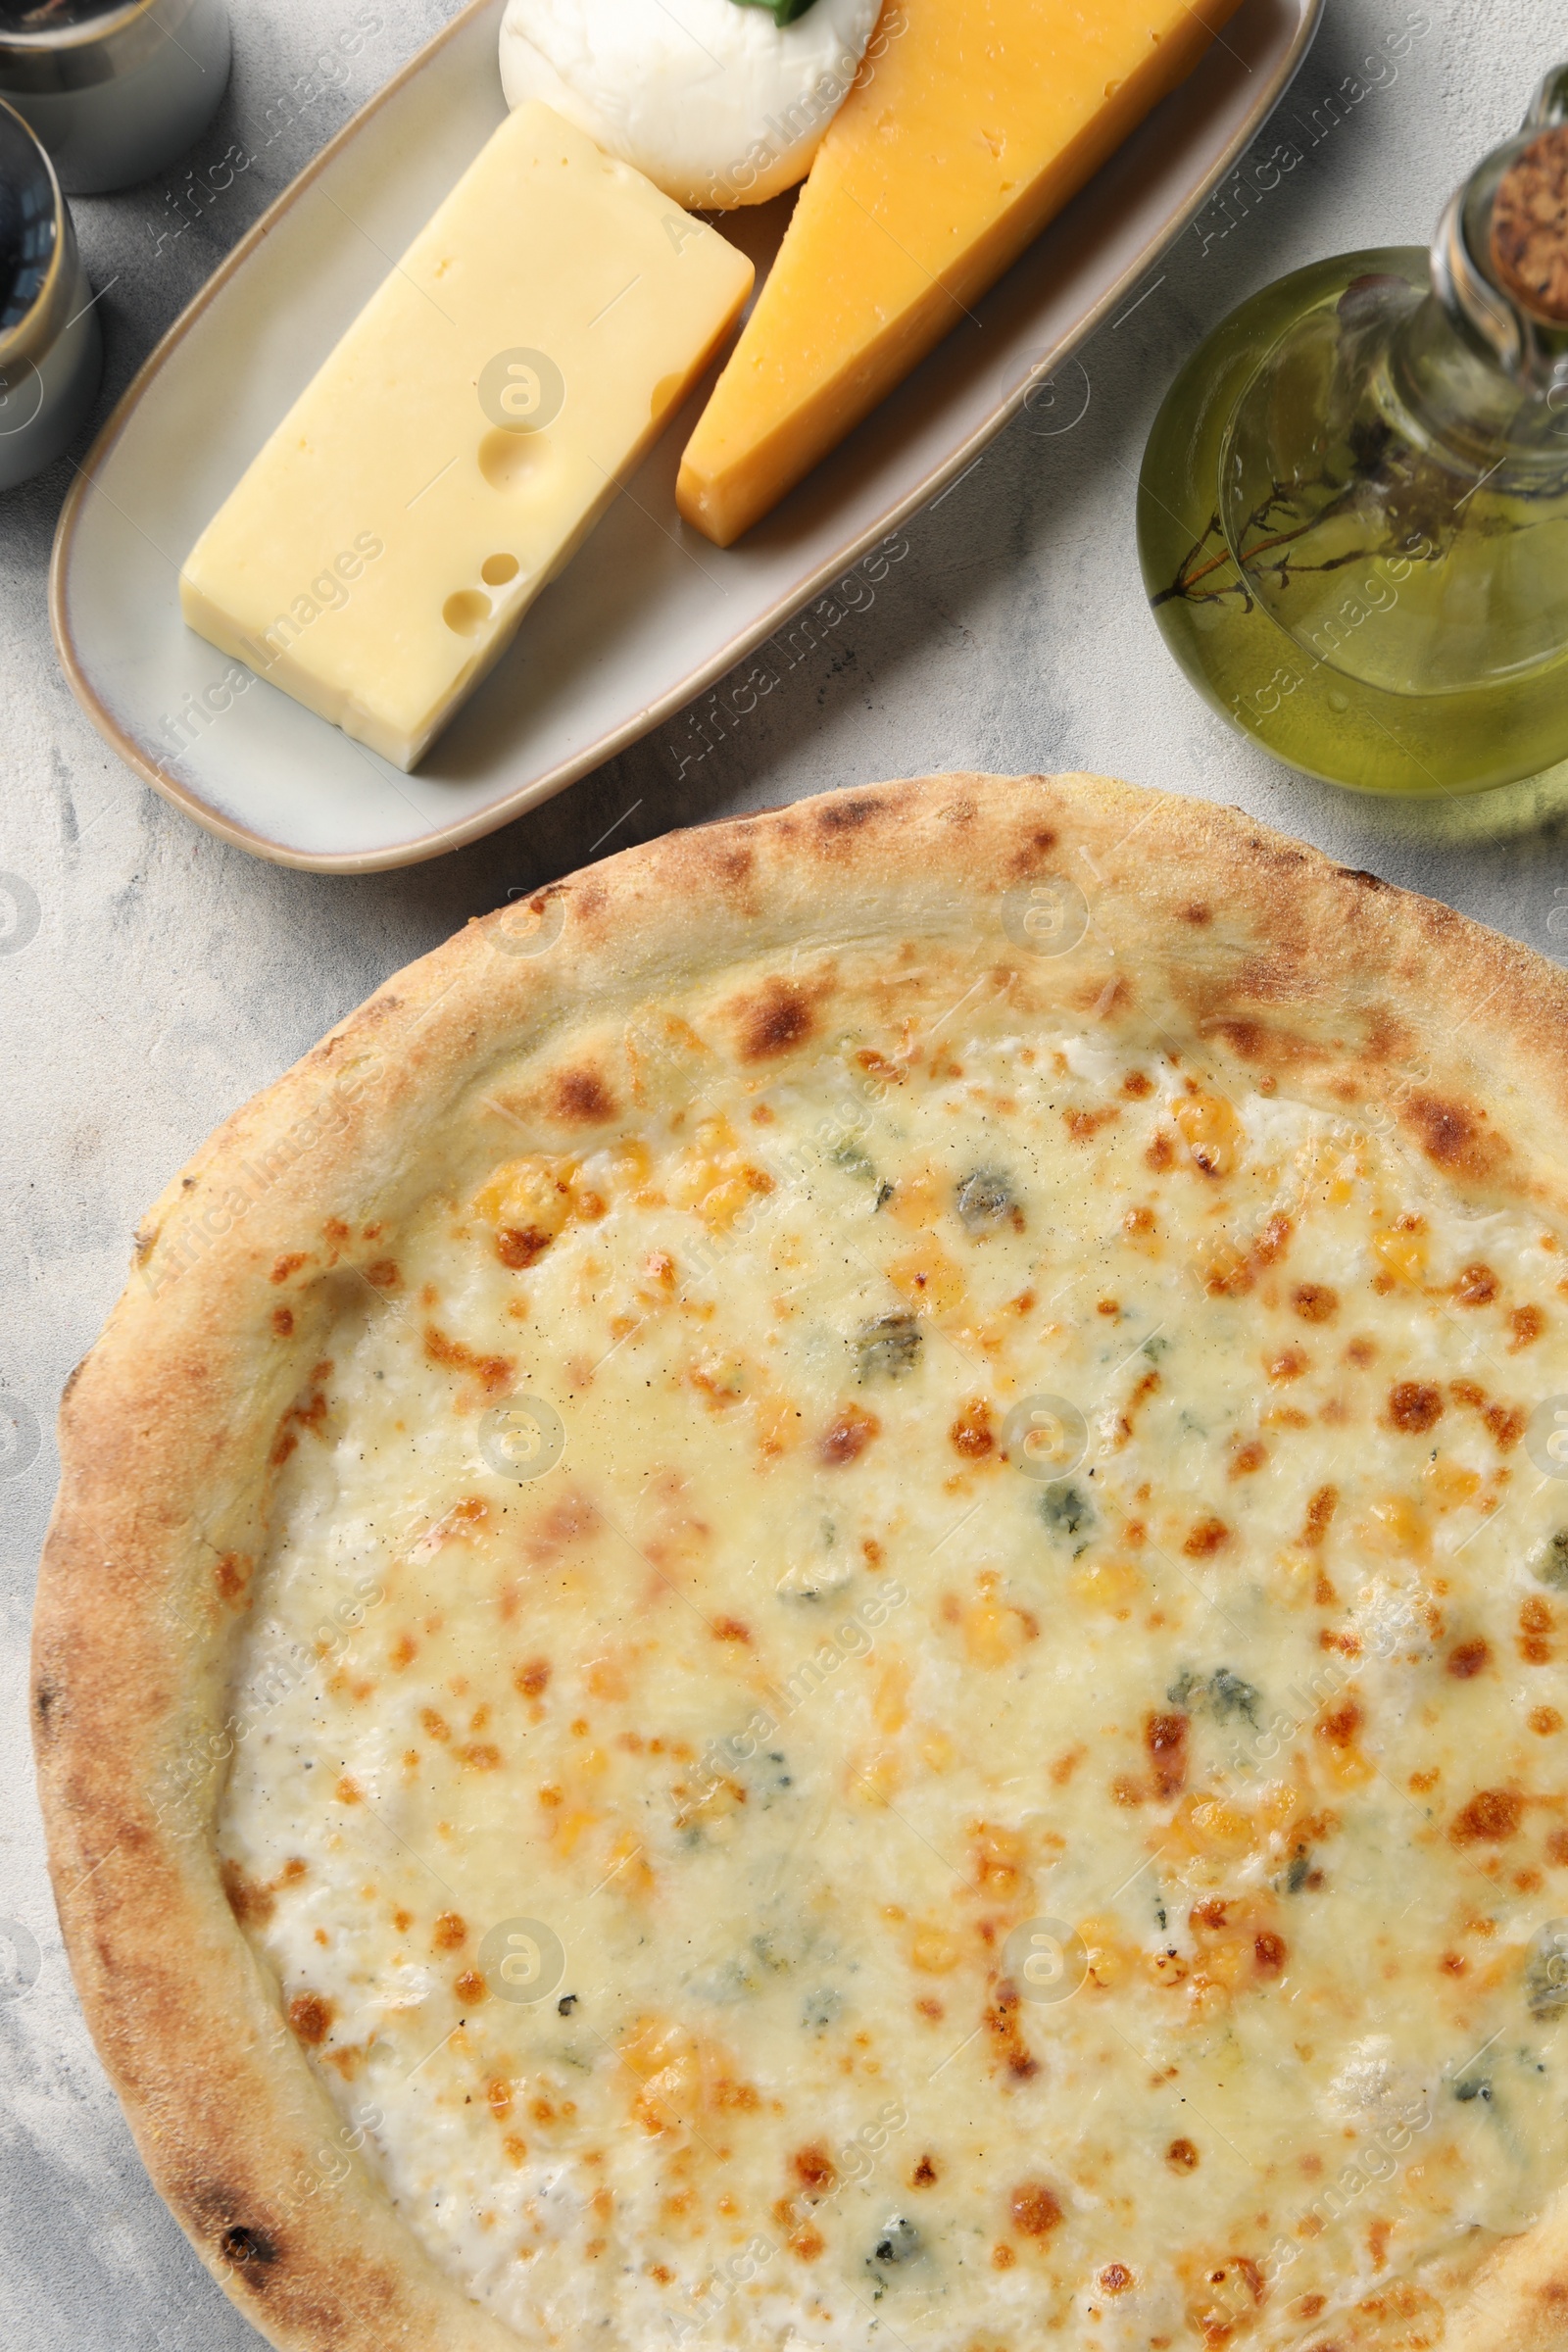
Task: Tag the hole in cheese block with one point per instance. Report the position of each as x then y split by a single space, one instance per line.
496 570
508 461
979 122
465 612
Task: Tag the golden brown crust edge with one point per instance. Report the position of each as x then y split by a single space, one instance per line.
1204 927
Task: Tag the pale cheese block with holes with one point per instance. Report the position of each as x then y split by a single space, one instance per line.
465 435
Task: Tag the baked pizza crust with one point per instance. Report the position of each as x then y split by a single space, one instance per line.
1205 926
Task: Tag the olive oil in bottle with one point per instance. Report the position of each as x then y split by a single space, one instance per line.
1353 515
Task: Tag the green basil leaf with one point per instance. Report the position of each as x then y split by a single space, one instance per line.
782 12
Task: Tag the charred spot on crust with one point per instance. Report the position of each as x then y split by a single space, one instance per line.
1166 1739
379 1008
43 1700
1341 1725
1247 1038
1360 873
971 1433
773 1021
231 1576
1320 1511
250 1904
1035 2210
1527 1323
1020 2064
845 813
246 2248
1449 1134
1415 1405
1217 2315
494 1371
519 1245
1534 1626
1491 1818
1040 843
311 2017
1197 914
582 1098
847 1436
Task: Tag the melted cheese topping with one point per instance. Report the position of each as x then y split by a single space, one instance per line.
988 1752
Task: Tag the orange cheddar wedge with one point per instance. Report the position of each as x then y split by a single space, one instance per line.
974 125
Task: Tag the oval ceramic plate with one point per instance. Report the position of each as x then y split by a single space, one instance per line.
649 614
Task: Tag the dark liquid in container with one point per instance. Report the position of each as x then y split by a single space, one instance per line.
26 224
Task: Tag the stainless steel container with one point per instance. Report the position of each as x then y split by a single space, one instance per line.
51 354
115 89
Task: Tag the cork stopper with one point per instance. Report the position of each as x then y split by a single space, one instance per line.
1530 227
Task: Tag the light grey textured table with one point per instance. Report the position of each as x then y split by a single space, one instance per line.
170 977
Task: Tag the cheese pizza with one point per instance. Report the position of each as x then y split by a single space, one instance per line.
822 1598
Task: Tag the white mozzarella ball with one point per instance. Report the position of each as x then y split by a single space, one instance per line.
715 103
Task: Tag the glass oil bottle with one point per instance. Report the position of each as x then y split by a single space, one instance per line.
1353 513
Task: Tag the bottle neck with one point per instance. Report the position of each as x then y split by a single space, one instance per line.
1479 369
1447 396
1412 442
